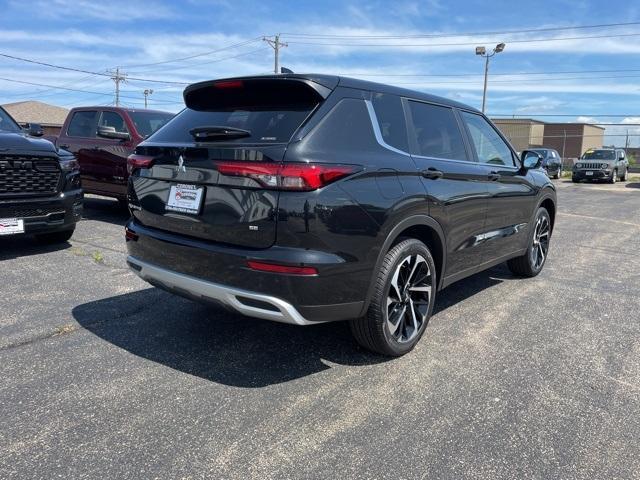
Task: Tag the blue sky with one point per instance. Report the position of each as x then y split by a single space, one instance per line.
97 36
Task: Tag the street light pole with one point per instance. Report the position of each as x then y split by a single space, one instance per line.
482 51
146 93
486 76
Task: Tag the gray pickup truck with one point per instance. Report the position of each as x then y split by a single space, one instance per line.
608 164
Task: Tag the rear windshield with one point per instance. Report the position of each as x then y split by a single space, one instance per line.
599 155
266 126
271 110
148 123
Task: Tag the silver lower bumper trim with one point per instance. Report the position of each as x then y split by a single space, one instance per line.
180 284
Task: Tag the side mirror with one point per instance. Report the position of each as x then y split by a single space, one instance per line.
621 157
530 159
110 132
35 129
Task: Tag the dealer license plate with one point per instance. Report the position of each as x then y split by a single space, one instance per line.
185 198
11 226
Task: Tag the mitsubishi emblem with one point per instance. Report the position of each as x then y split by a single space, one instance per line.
181 167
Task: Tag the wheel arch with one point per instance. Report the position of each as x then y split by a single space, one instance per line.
548 202
420 227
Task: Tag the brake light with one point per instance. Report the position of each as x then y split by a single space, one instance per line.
302 177
138 161
229 84
130 235
277 268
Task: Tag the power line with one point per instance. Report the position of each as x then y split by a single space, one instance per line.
517 80
199 64
75 89
444 35
460 44
203 54
72 69
365 74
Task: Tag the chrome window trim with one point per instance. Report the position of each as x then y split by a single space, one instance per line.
378 133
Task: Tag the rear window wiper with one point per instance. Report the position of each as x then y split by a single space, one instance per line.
218 132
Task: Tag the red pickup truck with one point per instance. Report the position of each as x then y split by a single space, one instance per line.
102 138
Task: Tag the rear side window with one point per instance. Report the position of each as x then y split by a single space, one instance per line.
115 120
391 120
83 124
149 122
270 110
345 131
436 132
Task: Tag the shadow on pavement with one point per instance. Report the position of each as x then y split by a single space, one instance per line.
228 348
24 246
633 185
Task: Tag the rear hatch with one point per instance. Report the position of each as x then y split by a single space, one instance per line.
213 172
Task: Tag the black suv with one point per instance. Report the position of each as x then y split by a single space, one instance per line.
313 198
39 185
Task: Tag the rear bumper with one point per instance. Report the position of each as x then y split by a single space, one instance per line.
45 214
248 303
212 272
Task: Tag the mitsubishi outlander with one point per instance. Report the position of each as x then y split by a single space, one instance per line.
316 198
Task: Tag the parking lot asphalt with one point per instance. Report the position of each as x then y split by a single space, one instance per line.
104 376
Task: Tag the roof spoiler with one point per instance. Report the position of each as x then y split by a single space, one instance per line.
258 92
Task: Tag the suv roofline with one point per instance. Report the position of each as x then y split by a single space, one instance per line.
333 81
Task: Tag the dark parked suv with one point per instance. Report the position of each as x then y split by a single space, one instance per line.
39 185
313 198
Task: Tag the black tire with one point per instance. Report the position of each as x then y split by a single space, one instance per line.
626 174
614 176
55 237
374 330
574 180
528 265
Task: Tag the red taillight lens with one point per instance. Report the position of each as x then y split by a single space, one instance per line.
277 268
138 161
287 176
229 84
130 235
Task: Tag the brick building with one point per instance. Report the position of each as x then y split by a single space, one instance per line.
569 139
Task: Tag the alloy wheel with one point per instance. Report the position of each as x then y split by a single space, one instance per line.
409 298
540 242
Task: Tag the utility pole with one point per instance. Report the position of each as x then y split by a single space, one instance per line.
626 142
147 92
118 77
275 44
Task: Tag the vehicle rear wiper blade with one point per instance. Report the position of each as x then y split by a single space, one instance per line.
218 132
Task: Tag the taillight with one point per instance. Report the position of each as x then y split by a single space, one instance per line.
277 268
130 235
302 177
138 161
229 84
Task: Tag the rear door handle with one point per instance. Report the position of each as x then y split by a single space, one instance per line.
432 173
494 176
64 147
